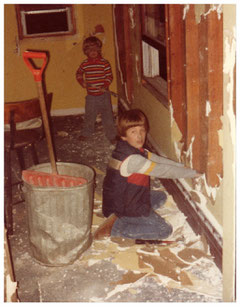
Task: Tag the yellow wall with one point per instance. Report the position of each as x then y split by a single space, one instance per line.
65 57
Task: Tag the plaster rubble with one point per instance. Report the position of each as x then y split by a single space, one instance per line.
141 262
112 263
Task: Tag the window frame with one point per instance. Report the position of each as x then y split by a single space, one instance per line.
38 7
158 86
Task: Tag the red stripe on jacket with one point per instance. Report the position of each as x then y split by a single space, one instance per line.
139 179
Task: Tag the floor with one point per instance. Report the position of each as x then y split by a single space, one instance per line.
113 270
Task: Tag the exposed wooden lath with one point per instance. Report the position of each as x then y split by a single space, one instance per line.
204 88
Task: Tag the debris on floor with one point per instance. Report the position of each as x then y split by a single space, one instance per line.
176 266
114 269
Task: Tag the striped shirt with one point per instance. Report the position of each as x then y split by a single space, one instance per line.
97 73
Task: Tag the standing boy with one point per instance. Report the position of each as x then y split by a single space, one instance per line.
95 74
126 187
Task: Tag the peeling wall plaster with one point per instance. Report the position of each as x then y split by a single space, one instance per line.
205 192
228 68
199 11
178 150
211 191
214 7
202 203
176 133
220 137
201 188
185 10
171 113
188 153
131 16
208 108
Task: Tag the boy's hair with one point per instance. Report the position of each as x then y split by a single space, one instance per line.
91 41
130 119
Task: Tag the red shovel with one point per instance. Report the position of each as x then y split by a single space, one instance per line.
41 178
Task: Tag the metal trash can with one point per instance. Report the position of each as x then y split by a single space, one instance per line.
60 218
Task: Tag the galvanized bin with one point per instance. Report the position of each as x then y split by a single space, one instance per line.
60 218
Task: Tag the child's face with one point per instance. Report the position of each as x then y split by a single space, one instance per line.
135 136
93 51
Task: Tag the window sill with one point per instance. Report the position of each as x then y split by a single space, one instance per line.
158 88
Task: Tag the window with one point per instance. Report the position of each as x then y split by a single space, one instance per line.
154 56
36 20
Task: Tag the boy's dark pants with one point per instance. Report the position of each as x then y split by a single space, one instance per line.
99 104
152 227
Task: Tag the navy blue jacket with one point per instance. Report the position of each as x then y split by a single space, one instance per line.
125 196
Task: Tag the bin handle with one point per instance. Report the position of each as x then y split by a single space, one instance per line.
37 72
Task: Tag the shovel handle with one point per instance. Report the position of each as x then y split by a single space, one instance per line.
46 127
37 72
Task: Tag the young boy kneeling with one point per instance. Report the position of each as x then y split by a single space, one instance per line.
126 187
